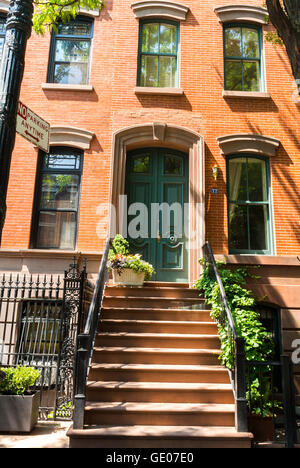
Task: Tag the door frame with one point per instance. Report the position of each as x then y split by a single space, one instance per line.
168 136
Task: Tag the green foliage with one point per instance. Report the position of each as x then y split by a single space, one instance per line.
260 398
274 38
119 246
258 344
119 258
49 12
18 380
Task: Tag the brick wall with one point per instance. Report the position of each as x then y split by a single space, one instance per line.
114 105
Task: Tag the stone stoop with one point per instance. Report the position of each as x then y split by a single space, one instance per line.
155 379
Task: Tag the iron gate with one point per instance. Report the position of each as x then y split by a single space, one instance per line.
40 317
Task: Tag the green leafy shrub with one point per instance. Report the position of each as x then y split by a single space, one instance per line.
119 258
18 380
258 344
118 246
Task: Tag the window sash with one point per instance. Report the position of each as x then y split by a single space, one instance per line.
53 62
72 211
157 54
248 204
243 58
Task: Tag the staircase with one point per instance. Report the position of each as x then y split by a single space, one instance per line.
155 378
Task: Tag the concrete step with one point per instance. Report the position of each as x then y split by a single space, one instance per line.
150 291
161 392
136 355
159 414
156 314
158 437
158 326
154 302
158 340
159 284
158 373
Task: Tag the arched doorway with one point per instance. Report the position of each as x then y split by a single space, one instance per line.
158 134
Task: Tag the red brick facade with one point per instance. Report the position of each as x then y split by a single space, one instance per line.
113 105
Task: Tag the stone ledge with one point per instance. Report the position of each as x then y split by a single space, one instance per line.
41 253
159 8
274 260
67 87
245 94
248 143
159 91
237 13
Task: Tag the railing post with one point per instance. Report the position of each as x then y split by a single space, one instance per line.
289 402
241 422
80 381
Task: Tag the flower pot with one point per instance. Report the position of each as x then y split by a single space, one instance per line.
19 413
128 277
261 428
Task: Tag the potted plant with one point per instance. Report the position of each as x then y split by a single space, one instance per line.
19 405
263 409
127 269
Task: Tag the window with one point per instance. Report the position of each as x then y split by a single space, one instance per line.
57 199
158 54
40 336
248 205
2 33
242 58
70 52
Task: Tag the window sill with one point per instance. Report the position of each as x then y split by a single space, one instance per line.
67 87
246 94
159 91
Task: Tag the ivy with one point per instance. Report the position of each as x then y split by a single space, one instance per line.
258 344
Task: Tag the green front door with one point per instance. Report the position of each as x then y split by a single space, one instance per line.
157 191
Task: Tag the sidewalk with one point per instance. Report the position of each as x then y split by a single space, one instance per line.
46 434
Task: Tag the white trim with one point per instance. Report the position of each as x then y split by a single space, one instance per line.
248 143
253 14
70 136
159 8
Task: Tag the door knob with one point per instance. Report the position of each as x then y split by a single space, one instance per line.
158 236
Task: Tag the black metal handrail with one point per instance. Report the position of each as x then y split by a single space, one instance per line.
238 369
85 343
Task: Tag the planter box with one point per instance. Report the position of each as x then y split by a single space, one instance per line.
19 413
261 428
128 277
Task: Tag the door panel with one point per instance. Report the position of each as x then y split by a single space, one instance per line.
157 189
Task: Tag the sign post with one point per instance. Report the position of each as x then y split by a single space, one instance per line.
18 29
32 127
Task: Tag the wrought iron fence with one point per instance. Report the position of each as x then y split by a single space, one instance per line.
40 318
271 401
